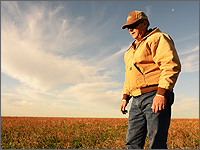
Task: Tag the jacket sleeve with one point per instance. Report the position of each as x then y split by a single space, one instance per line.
166 57
125 91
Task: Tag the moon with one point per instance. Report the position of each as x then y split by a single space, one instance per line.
172 9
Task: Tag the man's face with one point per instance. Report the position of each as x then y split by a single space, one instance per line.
138 32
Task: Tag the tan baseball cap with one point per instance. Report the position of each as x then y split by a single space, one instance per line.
133 17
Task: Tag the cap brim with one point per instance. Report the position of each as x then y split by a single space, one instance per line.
128 24
124 26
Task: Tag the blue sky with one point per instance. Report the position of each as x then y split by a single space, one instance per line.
65 59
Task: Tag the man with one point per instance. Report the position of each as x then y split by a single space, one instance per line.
152 68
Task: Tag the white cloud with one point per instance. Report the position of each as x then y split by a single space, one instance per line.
83 100
29 43
148 8
188 37
40 48
31 107
188 51
185 103
187 107
31 65
96 92
190 59
115 56
50 28
190 63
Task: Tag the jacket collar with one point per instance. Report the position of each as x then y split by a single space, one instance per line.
148 33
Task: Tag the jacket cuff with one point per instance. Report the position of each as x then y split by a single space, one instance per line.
162 91
126 97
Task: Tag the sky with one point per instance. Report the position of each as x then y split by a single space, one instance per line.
66 58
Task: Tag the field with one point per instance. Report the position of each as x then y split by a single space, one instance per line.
85 133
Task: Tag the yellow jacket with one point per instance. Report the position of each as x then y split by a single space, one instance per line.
151 65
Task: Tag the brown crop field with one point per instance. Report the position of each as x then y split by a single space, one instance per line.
85 133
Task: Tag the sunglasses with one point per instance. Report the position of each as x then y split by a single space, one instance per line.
133 26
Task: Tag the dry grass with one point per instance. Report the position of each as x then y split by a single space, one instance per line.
85 133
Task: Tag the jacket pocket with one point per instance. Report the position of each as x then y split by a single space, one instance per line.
138 68
140 81
136 78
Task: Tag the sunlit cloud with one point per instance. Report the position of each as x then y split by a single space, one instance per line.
115 56
41 51
32 66
32 107
96 92
190 59
195 49
85 99
148 10
187 106
190 63
185 103
29 51
188 37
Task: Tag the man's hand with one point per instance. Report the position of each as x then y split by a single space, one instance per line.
123 106
159 103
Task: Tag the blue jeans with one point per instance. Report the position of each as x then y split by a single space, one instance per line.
142 120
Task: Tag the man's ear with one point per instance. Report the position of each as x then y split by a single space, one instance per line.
145 23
